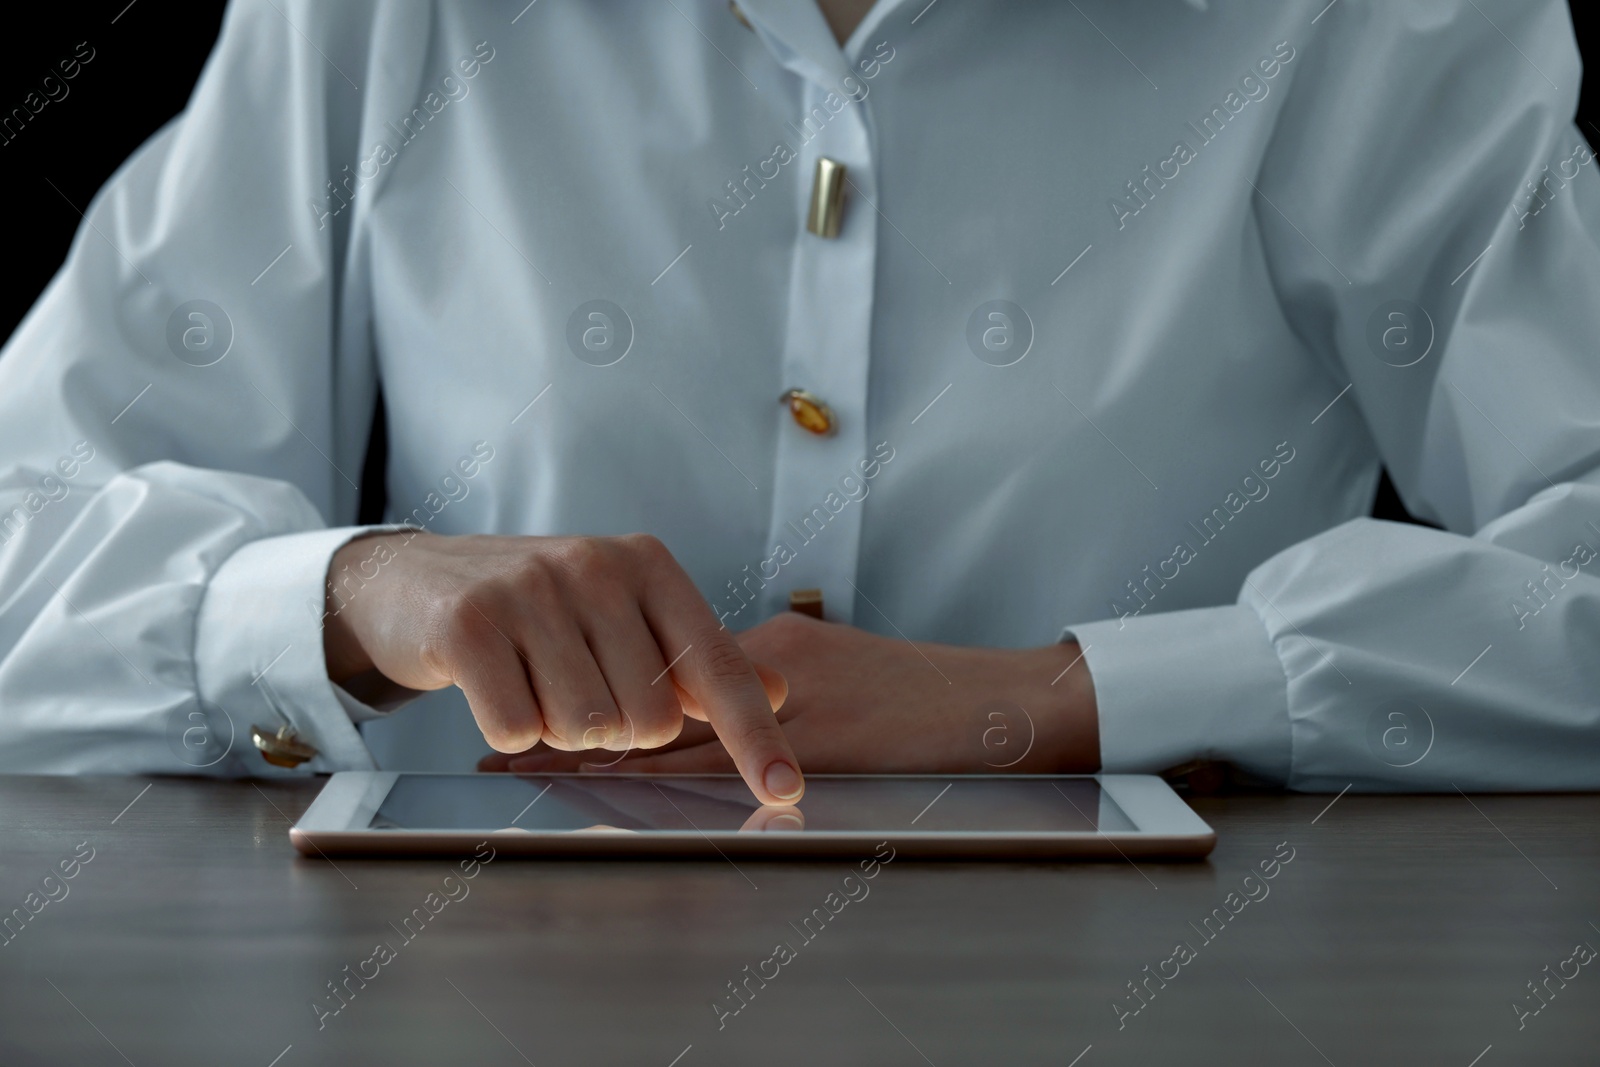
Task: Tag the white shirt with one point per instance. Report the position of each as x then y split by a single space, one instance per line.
1226 227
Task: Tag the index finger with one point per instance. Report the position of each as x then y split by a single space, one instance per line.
708 663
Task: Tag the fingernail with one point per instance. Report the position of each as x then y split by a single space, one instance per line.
783 781
785 822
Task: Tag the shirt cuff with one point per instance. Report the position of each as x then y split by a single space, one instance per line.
1178 686
258 650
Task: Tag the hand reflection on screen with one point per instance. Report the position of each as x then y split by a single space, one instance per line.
762 820
768 818
611 803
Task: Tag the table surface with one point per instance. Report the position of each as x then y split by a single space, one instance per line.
1403 930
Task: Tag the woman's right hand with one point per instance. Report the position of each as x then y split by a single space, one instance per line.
578 642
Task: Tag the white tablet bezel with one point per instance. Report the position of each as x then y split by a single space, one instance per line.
338 821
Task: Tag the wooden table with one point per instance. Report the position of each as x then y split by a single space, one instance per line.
1402 931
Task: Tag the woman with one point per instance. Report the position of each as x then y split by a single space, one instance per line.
1050 353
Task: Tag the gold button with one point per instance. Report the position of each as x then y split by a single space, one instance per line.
733 9
809 411
827 198
284 748
806 602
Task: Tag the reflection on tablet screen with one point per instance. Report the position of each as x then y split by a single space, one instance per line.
541 803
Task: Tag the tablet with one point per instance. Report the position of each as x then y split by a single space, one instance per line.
709 816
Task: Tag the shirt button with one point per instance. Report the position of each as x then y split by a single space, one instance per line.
733 9
827 198
809 411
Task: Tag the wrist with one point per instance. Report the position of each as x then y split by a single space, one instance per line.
1059 693
342 650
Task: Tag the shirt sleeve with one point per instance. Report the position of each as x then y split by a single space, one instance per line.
1431 220
184 411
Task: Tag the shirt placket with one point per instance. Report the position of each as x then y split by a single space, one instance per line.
817 499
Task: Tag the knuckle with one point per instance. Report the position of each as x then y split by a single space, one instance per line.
743 735
609 600
557 736
653 721
507 722
721 661
585 725
495 737
457 625
648 547
657 570
533 579
663 733
507 737
587 559
601 727
788 627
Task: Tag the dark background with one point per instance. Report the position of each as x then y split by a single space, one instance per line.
147 57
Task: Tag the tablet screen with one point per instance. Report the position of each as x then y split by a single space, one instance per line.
718 804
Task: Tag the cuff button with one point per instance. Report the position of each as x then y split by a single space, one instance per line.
284 748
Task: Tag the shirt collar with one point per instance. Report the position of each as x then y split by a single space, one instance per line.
799 38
